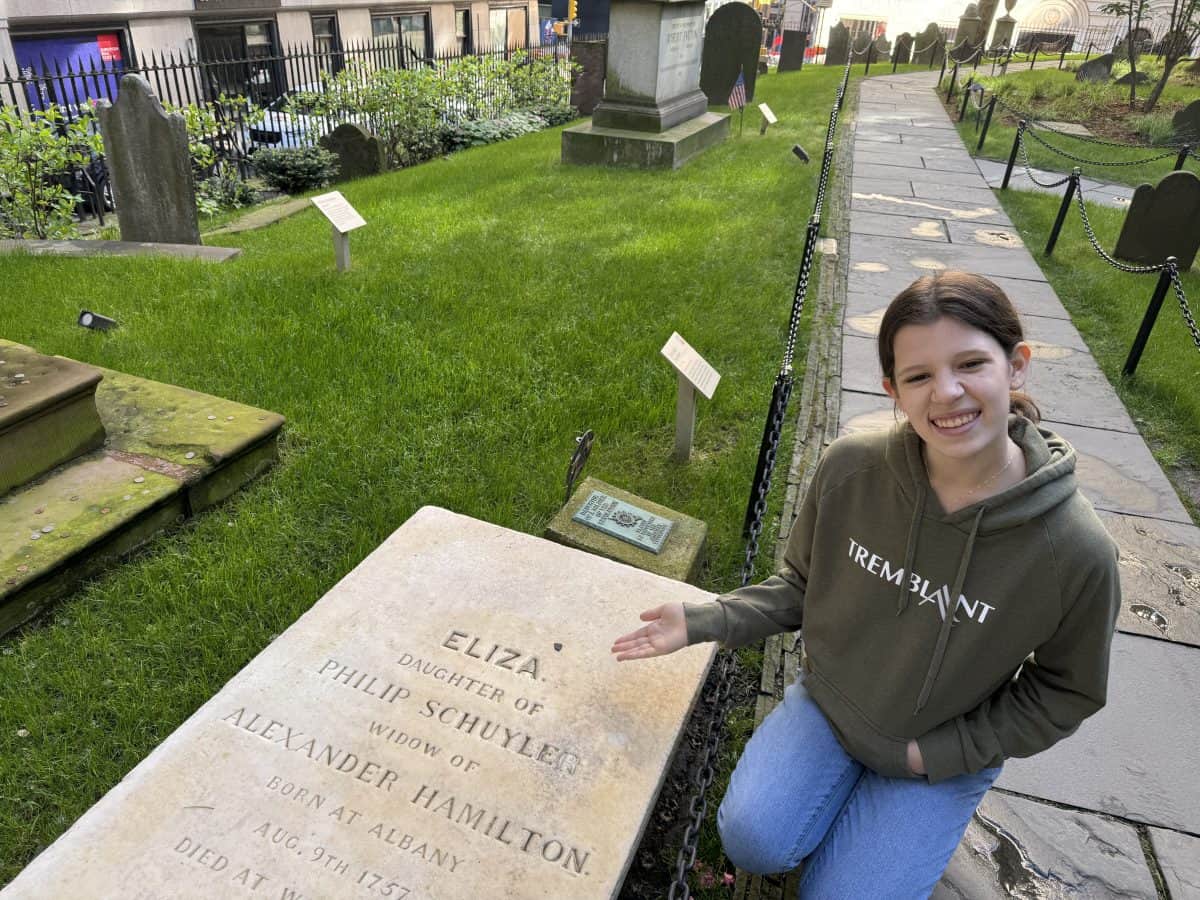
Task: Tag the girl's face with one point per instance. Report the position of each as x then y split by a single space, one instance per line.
952 381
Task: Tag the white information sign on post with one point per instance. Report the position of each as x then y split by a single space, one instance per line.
768 117
344 218
695 374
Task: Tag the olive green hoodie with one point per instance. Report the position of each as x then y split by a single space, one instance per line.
871 566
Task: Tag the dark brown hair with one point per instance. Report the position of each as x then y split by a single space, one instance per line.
971 299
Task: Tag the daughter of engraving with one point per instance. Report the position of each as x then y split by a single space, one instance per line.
956 595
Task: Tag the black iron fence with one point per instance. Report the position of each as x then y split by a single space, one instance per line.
245 102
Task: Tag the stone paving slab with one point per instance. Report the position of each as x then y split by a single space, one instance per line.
949 162
985 235
910 158
934 191
265 215
1052 338
891 203
119 248
1160 577
916 228
1016 847
873 170
877 135
860 366
907 259
895 186
1117 473
1136 758
1179 858
1031 298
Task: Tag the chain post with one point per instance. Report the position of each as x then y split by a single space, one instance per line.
1033 59
895 60
1165 277
953 80
942 73
962 113
1072 186
1182 157
1012 157
1007 60
870 54
1062 56
1088 54
987 120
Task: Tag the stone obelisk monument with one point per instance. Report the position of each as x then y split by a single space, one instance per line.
653 114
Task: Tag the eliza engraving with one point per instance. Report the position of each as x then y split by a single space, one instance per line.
504 657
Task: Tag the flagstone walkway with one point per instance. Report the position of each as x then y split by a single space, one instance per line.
1113 811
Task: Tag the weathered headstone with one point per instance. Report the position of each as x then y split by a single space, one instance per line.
653 114
969 25
150 168
359 152
902 51
858 48
964 51
731 41
446 720
1128 78
1186 123
587 86
1163 221
791 54
1003 34
928 45
837 51
1098 69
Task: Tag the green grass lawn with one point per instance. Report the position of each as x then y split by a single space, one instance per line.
1107 307
499 303
1051 95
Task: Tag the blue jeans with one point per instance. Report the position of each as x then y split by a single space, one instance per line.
796 796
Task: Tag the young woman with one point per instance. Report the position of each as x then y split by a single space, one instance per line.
957 597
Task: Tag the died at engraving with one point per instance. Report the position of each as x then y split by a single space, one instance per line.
337 758
504 657
218 862
363 681
513 835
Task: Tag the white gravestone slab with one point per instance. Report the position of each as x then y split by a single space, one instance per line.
344 218
447 722
695 374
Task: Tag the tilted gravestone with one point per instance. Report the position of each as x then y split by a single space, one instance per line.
791 54
1186 123
1128 78
1098 69
359 152
149 165
446 722
858 49
902 51
1163 221
970 23
837 51
731 41
927 46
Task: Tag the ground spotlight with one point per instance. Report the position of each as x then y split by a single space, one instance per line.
95 321
799 151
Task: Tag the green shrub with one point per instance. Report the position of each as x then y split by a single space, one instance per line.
490 131
37 154
1155 128
209 126
226 191
555 113
295 170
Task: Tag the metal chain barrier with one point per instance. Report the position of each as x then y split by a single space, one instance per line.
1183 306
1096 162
1029 169
719 686
1095 242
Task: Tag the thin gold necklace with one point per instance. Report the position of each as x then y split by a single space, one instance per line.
991 478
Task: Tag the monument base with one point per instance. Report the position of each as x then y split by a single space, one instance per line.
681 556
589 144
170 453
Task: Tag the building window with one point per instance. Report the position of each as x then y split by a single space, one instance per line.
508 27
246 58
408 34
326 43
462 31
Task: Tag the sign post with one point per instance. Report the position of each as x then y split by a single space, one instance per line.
694 375
343 218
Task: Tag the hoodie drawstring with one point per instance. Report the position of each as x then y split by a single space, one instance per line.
939 651
910 552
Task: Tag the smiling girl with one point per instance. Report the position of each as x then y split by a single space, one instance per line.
957 597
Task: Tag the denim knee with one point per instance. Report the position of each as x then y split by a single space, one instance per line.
751 841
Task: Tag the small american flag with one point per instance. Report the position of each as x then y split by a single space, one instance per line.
737 97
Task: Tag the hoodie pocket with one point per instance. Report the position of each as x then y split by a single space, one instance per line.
879 752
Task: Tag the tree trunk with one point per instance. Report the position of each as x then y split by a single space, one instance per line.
1151 101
